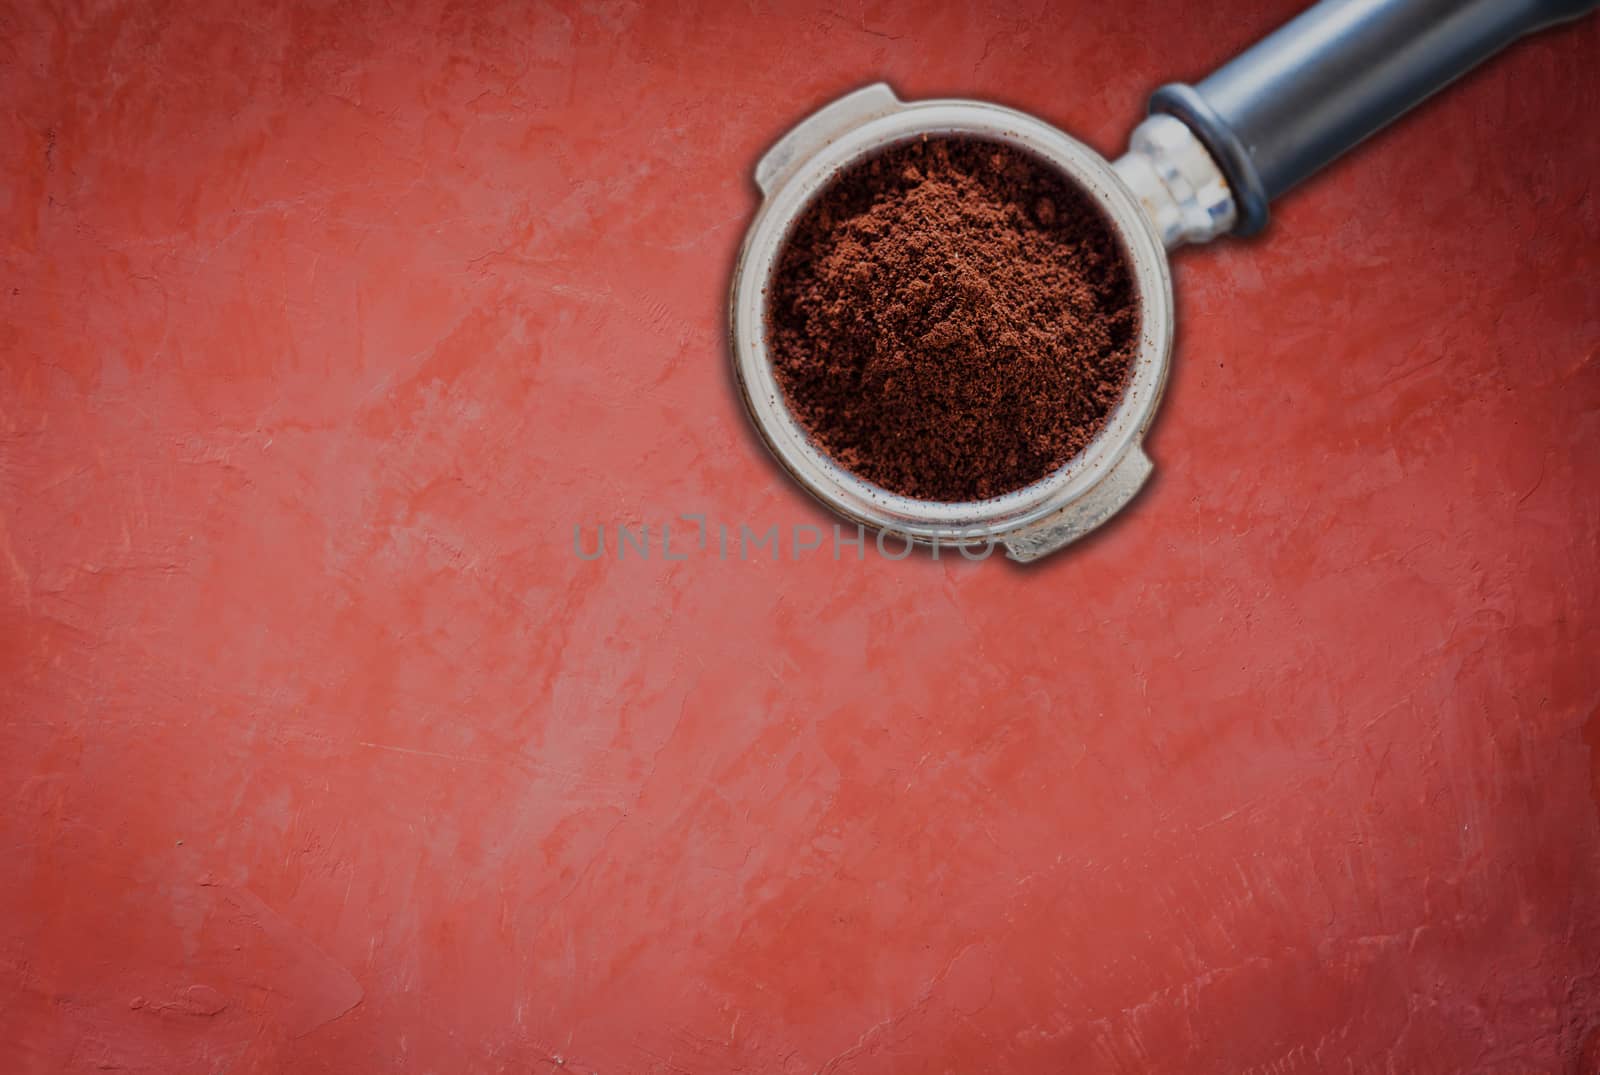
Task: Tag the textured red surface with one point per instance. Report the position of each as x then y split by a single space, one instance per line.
321 751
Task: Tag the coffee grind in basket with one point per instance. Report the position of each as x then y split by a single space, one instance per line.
952 319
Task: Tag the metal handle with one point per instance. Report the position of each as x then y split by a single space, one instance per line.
1334 75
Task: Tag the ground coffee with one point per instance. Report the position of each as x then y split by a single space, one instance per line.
952 319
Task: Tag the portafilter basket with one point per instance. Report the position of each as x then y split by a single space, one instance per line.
1204 164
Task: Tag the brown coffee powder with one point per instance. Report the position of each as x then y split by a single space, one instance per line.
952 319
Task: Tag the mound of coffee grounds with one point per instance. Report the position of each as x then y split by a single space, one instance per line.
952 319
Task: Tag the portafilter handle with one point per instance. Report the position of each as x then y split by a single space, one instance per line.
1315 88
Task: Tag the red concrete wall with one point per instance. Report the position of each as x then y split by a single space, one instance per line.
320 751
